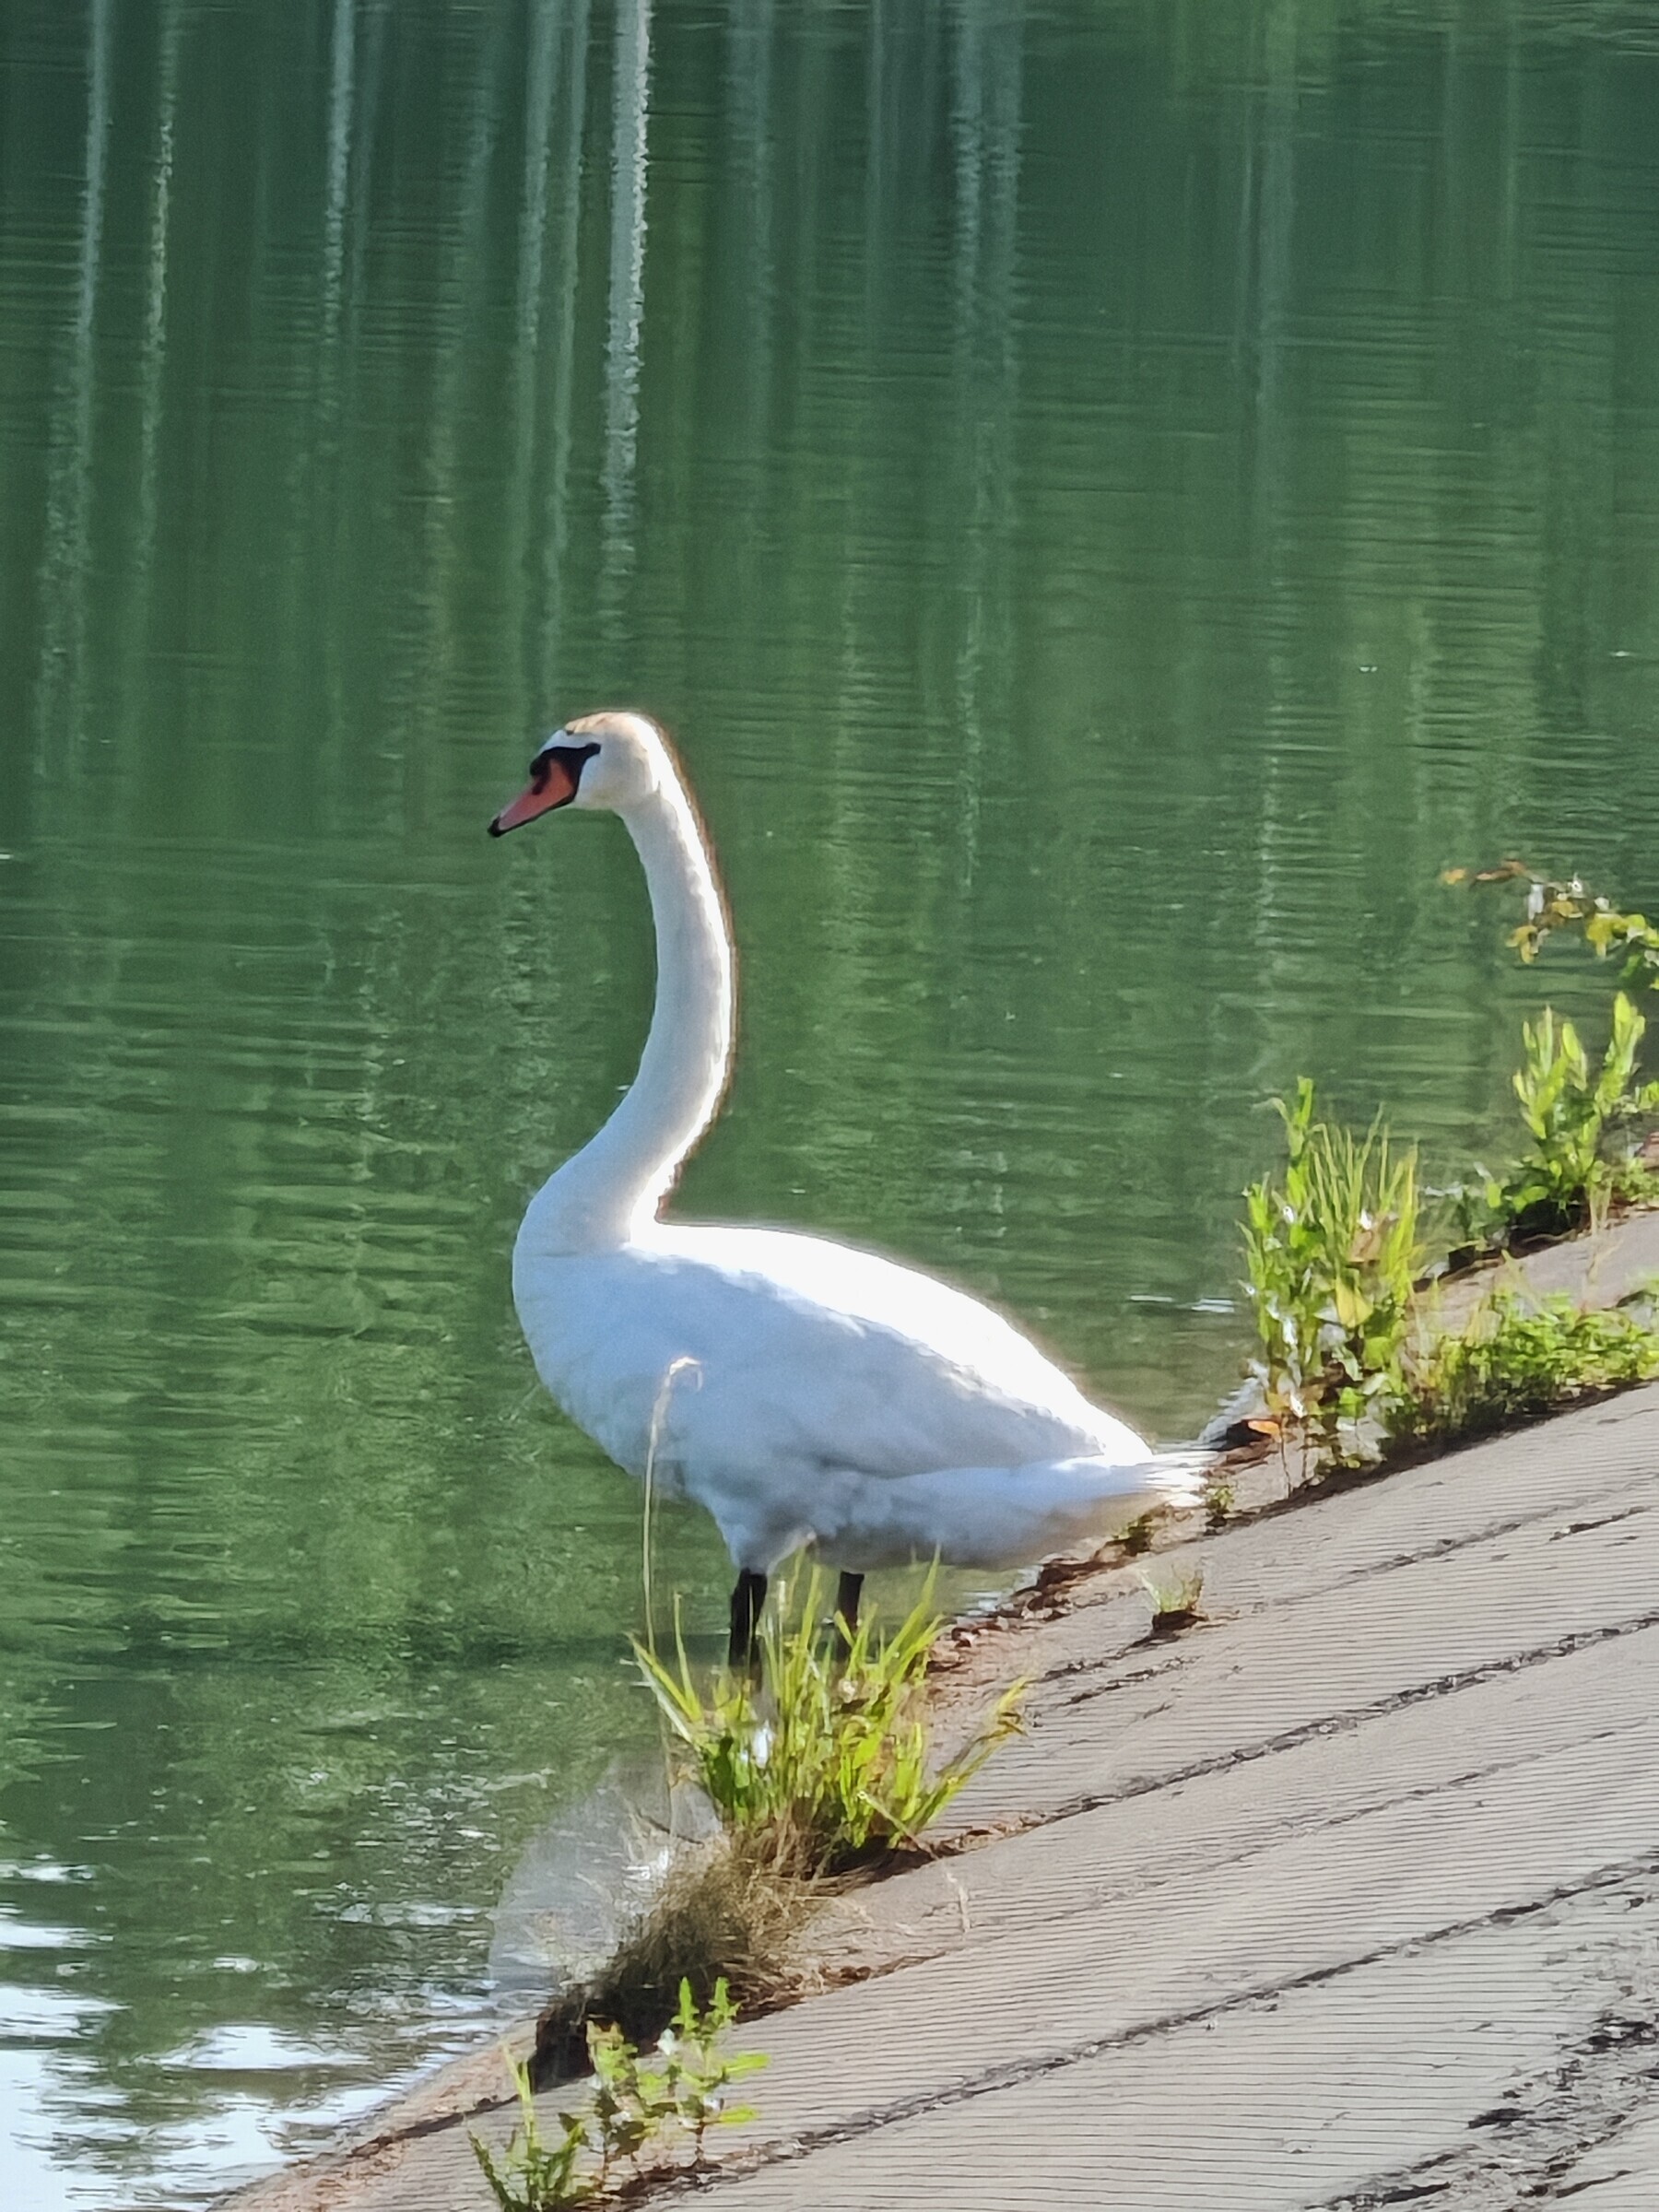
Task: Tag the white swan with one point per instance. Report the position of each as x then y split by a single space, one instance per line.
830 1397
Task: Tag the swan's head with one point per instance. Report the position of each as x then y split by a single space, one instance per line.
610 761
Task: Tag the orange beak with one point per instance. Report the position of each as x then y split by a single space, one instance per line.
551 784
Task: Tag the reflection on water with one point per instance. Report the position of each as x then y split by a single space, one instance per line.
1110 498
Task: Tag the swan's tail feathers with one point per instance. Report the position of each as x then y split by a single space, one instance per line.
1175 1479
1000 1517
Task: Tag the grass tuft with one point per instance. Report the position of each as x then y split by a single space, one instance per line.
1516 1360
1330 1252
819 1776
730 1911
832 1764
1177 1604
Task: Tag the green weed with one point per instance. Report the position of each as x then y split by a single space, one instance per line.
730 1910
1569 907
532 2175
696 2074
1331 1251
1138 1537
1566 1179
639 2106
1177 1604
637 2102
1570 1175
833 1760
1515 1360
1220 1503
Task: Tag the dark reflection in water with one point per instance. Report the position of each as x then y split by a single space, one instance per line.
1111 499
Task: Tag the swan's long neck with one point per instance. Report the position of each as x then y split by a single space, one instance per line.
614 1187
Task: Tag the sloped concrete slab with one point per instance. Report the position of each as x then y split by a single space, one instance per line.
1293 2099
1345 1899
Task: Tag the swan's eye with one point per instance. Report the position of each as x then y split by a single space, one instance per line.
572 758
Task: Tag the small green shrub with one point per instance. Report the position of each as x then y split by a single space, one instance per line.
638 2106
637 2103
1514 1361
696 2074
1569 906
1331 1251
1567 1178
833 1759
1176 1604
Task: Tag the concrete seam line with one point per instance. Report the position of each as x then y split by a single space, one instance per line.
1443 1547
1345 1722
1017 2073
1317 1823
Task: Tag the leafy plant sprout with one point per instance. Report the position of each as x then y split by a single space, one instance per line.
1517 1359
1137 1538
1567 1178
834 1758
1330 1252
1219 1505
639 2106
697 2074
1176 1604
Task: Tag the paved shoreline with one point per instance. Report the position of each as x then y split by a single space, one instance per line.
1347 1897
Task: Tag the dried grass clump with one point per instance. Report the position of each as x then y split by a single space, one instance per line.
731 1911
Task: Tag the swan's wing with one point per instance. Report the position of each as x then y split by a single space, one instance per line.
806 1354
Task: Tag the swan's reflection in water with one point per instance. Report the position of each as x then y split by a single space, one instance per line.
583 1880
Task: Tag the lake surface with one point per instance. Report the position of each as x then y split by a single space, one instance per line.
1111 499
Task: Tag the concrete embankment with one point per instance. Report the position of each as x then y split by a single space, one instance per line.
1347 1897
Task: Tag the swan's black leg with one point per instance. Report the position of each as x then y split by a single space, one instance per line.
846 1610
748 1601
846 1597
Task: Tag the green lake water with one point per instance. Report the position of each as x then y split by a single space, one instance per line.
1110 499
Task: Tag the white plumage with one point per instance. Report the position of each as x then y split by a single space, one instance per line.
822 1394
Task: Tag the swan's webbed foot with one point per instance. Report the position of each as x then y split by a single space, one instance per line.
748 1601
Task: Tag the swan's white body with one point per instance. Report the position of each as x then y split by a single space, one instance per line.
803 1391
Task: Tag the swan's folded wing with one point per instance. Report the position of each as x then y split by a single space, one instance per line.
806 1354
